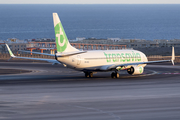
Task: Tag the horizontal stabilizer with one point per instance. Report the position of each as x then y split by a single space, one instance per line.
28 58
37 53
69 53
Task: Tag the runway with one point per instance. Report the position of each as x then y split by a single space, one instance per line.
58 93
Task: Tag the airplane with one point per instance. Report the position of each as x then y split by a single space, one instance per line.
89 62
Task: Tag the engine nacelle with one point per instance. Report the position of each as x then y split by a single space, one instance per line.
135 70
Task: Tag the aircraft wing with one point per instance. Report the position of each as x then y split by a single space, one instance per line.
115 66
28 58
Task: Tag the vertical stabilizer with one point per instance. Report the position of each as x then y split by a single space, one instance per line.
62 42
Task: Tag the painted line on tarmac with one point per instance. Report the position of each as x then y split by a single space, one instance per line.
142 75
171 73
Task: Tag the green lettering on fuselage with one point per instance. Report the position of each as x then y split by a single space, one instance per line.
109 57
128 55
114 57
123 57
138 56
118 57
108 60
133 56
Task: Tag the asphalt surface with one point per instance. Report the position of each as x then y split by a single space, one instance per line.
13 71
58 93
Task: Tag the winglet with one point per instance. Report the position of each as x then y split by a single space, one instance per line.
10 52
173 56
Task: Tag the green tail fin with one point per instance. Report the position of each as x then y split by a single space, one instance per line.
62 42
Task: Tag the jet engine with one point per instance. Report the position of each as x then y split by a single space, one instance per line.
135 70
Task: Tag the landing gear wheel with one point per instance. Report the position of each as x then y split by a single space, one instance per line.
114 75
117 75
90 74
86 74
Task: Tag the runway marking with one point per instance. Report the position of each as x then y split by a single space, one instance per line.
149 109
171 73
142 75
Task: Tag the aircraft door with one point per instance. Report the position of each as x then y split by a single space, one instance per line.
78 59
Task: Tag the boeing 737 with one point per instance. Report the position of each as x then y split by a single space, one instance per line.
96 60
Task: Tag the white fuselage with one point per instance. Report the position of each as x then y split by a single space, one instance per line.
95 60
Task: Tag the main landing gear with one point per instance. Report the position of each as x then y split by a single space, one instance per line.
88 74
115 75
